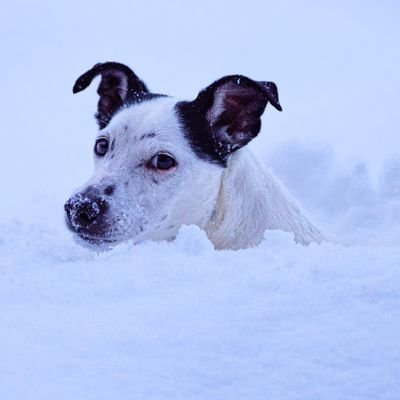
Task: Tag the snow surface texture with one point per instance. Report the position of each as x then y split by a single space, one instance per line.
180 320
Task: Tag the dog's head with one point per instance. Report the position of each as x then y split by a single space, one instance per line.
158 161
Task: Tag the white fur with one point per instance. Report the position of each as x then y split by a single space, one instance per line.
235 205
250 201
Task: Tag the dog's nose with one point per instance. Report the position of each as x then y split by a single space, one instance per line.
83 211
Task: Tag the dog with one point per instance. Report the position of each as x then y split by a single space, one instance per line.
161 163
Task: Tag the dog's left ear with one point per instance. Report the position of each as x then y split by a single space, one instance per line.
233 107
118 84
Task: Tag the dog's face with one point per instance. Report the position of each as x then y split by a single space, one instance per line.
146 181
158 162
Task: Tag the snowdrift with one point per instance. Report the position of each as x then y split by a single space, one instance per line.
181 320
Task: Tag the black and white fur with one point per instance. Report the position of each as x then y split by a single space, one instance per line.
163 163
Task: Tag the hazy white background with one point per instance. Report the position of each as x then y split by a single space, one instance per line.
336 64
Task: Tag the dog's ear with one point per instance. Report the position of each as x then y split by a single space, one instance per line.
118 84
233 107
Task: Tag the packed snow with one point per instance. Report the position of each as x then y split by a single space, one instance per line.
180 320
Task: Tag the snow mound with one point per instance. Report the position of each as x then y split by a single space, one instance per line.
180 320
353 206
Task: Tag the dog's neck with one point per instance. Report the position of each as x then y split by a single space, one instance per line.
250 201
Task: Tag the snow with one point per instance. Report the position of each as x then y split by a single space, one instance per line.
180 320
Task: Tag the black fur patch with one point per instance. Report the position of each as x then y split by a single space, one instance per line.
225 116
197 131
119 88
140 97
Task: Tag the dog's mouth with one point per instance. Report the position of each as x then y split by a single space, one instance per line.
95 243
96 240
91 240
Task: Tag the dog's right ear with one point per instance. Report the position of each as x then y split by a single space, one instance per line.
226 115
118 85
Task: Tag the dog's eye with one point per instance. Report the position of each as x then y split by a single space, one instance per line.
163 162
101 147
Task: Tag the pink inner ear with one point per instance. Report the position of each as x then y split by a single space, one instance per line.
232 103
242 108
239 109
237 102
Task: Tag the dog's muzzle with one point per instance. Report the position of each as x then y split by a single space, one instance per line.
86 215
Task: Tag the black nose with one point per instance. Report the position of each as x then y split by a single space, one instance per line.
85 211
